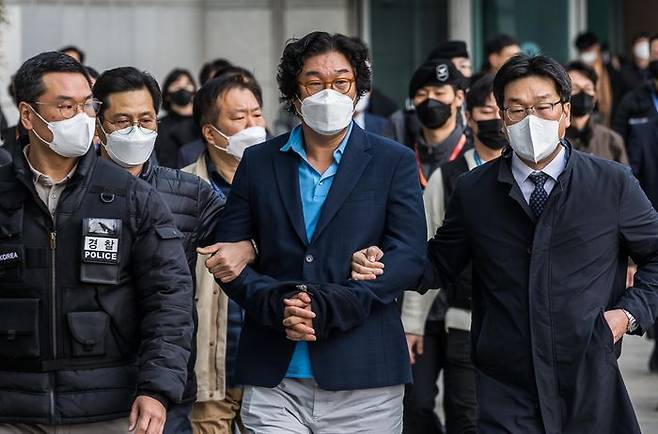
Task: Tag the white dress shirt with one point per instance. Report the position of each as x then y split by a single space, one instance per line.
522 173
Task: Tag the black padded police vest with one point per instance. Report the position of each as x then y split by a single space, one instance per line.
66 297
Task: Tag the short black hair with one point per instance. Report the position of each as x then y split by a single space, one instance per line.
124 79
169 79
91 72
205 109
479 92
298 50
497 42
521 66
212 68
639 36
586 40
653 38
28 81
247 78
584 69
80 53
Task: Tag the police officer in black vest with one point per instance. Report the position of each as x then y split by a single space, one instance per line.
95 293
127 128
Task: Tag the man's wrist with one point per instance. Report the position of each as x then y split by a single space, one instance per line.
632 322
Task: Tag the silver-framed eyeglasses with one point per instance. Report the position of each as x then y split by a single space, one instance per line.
69 109
516 113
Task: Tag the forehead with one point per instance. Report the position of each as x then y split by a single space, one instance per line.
489 102
66 84
530 90
130 102
436 88
328 63
182 80
579 78
237 98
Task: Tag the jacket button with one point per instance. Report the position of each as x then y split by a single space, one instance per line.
211 394
212 344
309 258
529 250
215 292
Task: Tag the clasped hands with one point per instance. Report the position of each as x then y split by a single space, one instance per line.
298 318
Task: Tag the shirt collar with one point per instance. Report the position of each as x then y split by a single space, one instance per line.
521 171
42 178
216 179
295 143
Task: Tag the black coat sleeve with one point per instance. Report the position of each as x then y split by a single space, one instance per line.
210 205
638 226
164 298
448 252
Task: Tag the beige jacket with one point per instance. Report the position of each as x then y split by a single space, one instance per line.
212 308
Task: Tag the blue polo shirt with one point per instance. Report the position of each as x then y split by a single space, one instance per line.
314 189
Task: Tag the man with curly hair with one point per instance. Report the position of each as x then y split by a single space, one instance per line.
320 352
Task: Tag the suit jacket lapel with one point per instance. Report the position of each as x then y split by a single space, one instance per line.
505 176
353 163
286 168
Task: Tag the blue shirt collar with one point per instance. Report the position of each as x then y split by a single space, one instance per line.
296 143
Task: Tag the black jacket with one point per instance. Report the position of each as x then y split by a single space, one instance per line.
459 293
195 207
175 131
635 108
96 304
643 155
544 353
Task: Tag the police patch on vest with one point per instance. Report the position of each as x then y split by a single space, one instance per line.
9 255
101 240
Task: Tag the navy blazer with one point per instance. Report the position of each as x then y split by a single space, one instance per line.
375 199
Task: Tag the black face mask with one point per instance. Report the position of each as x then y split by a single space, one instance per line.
433 114
490 133
581 104
181 97
653 69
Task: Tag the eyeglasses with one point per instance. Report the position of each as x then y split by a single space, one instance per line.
342 85
126 126
68 110
544 110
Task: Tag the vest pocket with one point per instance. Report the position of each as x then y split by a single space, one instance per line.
19 328
89 330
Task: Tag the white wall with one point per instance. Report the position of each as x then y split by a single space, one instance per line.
158 35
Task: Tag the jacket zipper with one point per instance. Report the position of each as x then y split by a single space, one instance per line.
53 295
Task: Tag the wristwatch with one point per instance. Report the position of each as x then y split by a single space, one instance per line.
632 322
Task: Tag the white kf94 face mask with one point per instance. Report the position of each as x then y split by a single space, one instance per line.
130 148
237 143
71 137
327 112
534 138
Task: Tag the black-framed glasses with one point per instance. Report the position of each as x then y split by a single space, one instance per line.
342 85
126 126
516 113
69 109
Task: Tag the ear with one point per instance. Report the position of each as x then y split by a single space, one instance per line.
459 98
469 120
297 106
207 133
99 131
25 116
567 114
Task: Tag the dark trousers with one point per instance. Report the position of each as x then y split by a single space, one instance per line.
653 359
420 398
459 400
178 419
